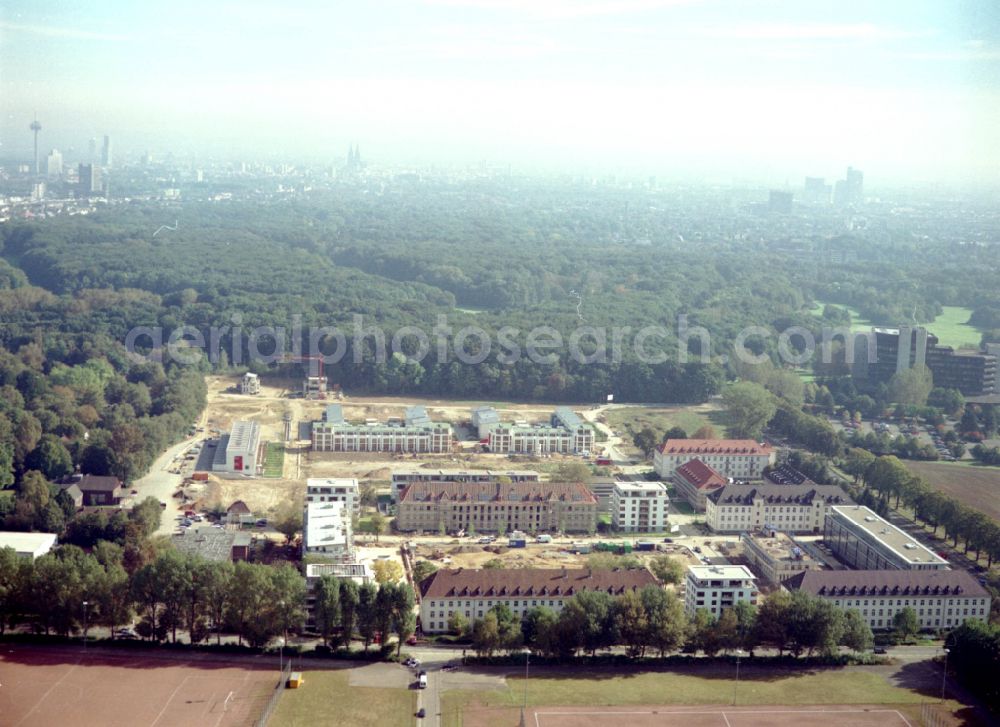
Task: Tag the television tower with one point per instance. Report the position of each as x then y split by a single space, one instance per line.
36 127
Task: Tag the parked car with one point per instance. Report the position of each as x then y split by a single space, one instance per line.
421 713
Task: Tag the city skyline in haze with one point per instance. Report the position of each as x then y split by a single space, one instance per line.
676 88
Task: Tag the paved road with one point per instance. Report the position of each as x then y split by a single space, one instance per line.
161 484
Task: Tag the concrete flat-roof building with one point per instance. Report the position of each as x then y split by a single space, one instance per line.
402 478
942 599
335 489
326 531
483 419
27 545
776 556
865 541
718 587
474 592
360 573
639 507
237 451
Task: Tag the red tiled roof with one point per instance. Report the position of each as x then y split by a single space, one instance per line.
497 492
715 446
532 582
700 475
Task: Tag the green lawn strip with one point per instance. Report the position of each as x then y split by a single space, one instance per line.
326 698
274 460
952 327
711 684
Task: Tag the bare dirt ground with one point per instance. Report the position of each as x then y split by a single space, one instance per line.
466 554
972 485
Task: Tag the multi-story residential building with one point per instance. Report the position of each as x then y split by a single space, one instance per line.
566 433
402 478
250 383
718 587
639 507
484 418
865 541
416 434
942 599
237 451
497 507
695 480
326 531
474 592
335 489
789 508
776 556
741 459
360 573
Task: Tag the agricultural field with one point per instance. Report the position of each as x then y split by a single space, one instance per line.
706 684
975 485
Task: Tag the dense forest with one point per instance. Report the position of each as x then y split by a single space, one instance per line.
484 254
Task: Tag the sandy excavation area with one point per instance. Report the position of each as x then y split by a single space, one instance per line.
550 555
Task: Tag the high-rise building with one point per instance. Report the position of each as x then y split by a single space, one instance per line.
35 128
816 191
90 180
54 164
850 190
92 150
106 152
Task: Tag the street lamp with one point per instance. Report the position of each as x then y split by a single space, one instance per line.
739 653
944 674
524 706
85 604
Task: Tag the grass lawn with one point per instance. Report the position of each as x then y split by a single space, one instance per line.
274 460
629 420
952 327
708 684
326 698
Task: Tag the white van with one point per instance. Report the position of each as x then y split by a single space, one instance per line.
544 538
423 681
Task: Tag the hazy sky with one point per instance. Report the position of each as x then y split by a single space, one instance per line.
767 88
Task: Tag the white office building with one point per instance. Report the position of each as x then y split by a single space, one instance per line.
326 531
237 451
639 507
718 587
865 541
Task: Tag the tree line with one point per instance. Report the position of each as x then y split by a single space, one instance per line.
652 620
62 591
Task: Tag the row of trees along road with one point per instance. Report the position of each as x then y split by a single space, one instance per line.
652 620
175 593
882 478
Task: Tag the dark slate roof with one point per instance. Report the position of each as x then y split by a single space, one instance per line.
98 483
793 494
886 582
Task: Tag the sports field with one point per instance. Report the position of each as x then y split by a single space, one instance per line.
708 717
274 460
45 686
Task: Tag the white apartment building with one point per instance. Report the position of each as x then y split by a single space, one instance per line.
639 507
335 489
250 383
942 599
566 433
415 434
718 587
786 508
474 592
326 531
741 459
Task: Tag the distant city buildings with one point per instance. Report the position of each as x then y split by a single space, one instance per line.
54 164
779 202
816 191
89 180
849 191
106 152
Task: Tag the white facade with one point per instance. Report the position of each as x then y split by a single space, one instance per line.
250 384
326 531
28 545
340 436
865 541
741 459
335 489
718 587
237 452
402 478
639 507
786 508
